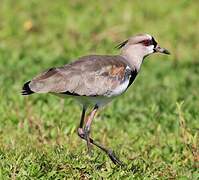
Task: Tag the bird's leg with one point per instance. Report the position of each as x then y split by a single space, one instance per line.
82 117
109 152
84 132
82 135
80 129
88 126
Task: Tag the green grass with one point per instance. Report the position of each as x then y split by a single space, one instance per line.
153 127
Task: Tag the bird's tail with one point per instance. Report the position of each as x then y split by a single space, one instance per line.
26 89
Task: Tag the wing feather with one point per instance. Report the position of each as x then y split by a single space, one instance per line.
89 76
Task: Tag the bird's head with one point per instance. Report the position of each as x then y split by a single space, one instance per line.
141 45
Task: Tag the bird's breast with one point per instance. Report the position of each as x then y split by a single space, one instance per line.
128 79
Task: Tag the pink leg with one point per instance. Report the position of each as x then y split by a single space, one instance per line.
84 134
88 126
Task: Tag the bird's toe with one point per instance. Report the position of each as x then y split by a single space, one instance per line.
114 159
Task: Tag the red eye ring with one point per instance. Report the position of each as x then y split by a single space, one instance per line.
147 42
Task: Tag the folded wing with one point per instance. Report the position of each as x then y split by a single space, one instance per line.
89 76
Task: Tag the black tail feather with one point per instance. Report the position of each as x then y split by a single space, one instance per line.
26 89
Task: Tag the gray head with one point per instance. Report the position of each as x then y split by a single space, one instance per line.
136 48
142 44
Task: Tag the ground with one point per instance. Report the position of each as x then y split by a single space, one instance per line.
153 127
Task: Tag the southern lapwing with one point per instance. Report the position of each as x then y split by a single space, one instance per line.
95 80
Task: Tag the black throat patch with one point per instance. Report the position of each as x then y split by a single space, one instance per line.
132 77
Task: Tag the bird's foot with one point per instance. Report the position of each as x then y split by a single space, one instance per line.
110 153
113 158
84 134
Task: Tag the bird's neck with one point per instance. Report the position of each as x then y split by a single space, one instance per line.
135 59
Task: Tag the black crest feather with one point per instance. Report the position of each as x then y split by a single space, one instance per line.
122 44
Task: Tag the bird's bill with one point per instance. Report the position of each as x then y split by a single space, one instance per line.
161 50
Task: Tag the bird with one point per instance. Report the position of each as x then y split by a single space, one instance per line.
95 80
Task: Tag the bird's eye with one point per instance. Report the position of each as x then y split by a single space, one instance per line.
147 42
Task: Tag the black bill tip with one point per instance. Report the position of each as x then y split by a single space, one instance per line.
165 51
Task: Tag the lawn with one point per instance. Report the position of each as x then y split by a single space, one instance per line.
153 127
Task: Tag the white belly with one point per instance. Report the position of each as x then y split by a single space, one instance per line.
100 101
